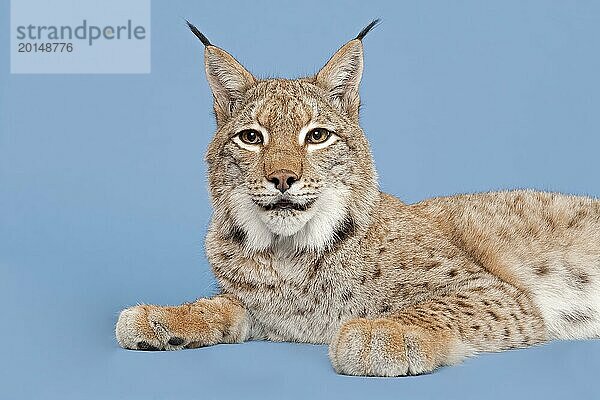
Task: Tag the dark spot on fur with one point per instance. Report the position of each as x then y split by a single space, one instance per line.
522 308
385 308
346 229
143 345
431 265
532 231
506 333
494 316
409 319
347 295
579 278
505 234
363 280
550 223
381 250
463 304
476 327
541 269
577 316
377 273
316 266
176 341
577 218
452 273
477 289
237 235
362 313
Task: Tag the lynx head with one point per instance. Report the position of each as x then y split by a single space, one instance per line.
289 165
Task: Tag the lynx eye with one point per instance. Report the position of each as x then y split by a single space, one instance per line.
250 136
318 135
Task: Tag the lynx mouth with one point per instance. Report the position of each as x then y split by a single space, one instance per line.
285 204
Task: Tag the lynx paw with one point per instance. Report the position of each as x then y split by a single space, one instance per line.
383 347
148 327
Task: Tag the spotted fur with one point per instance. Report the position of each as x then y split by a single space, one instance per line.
394 289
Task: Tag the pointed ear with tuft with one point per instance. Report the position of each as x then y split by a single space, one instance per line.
227 78
340 77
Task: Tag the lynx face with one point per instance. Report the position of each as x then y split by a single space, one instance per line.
289 165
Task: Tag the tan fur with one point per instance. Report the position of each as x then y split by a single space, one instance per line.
395 289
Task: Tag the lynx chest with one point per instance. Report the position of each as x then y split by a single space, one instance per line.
294 298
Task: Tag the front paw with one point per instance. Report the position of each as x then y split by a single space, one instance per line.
384 347
147 327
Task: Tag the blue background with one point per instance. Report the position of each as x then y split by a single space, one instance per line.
103 198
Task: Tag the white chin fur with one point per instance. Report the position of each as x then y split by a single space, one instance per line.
312 229
285 223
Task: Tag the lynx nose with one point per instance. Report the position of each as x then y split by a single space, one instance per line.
282 179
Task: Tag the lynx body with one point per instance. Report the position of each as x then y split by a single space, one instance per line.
306 248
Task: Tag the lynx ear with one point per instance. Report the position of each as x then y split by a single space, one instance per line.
227 78
342 73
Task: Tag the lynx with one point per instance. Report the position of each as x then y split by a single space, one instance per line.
305 247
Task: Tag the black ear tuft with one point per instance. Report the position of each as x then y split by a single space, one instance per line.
198 34
367 28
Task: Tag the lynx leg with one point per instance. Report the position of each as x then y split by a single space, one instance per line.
439 332
204 322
